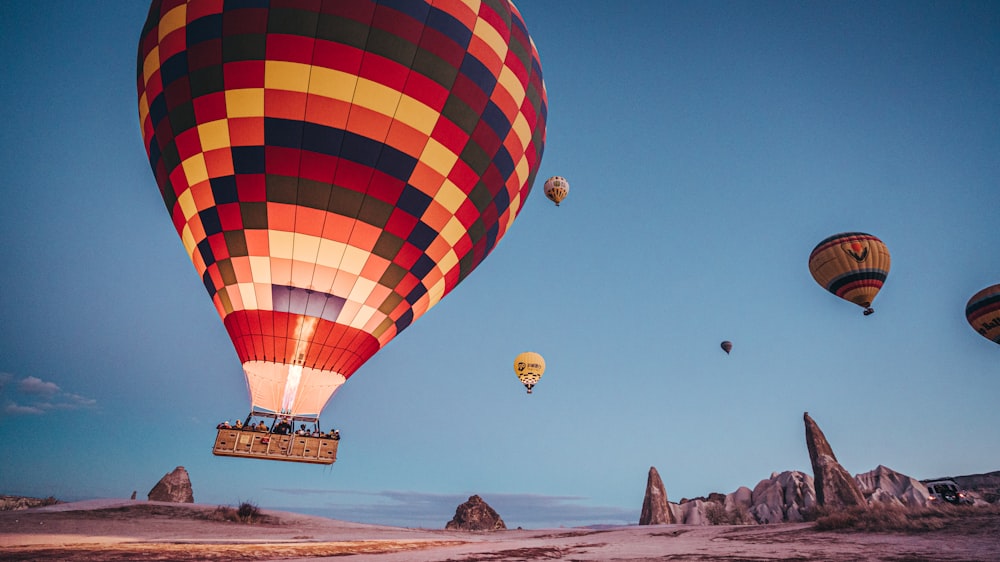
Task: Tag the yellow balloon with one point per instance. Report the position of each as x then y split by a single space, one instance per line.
556 189
851 265
529 367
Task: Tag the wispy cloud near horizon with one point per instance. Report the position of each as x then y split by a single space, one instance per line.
429 510
33 396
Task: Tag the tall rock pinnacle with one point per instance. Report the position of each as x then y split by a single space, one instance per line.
655 510
835 488
174 487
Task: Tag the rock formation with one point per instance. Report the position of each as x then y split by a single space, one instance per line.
692 512
835 488
476 515
15 503
884 485
783 497
655 509
174 487
738 505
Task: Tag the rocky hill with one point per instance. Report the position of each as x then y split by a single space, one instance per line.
13 503
793 496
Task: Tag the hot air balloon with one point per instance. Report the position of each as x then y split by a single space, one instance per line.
556 189
726 346
529 367
334 169
983 313
851 265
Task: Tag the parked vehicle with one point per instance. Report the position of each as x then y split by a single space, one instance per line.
947 491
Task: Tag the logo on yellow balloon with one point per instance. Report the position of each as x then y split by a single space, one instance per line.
856 250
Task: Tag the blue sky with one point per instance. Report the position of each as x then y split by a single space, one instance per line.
709 147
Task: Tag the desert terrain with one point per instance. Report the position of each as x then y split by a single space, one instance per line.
120 530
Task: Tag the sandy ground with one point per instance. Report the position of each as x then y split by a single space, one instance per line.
120 530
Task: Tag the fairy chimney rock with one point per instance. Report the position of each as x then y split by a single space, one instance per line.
476 515
835 488
174 487
655 509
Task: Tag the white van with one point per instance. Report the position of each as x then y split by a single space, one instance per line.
946 491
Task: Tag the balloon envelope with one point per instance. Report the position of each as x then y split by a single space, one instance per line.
983 313
529 367
851 265
334 169
726 346
556 189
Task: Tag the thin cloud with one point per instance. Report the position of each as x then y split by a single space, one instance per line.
419 509
34 396
35 385
17 410
80 401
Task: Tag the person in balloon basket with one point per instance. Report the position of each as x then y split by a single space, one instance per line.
238 424
334 434
261 426
302 430
224 425
283 428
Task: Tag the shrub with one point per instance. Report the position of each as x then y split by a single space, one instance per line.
247 513
224 513
716 514
887 517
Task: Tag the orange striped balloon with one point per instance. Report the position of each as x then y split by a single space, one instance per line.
983 313
851 265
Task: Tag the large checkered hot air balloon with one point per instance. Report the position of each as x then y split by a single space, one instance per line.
334 168
851 265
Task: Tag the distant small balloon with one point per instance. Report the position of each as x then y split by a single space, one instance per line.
726 346
983 313
556 189
529 367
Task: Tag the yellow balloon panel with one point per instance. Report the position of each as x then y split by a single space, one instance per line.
851 265
529 367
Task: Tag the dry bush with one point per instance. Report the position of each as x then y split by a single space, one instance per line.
223 513
717 514
887 517
247 513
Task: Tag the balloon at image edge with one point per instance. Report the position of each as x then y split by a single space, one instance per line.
983 313
529 367
556 189
329 195
852 266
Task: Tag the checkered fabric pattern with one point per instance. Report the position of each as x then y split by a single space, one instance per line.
336 167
